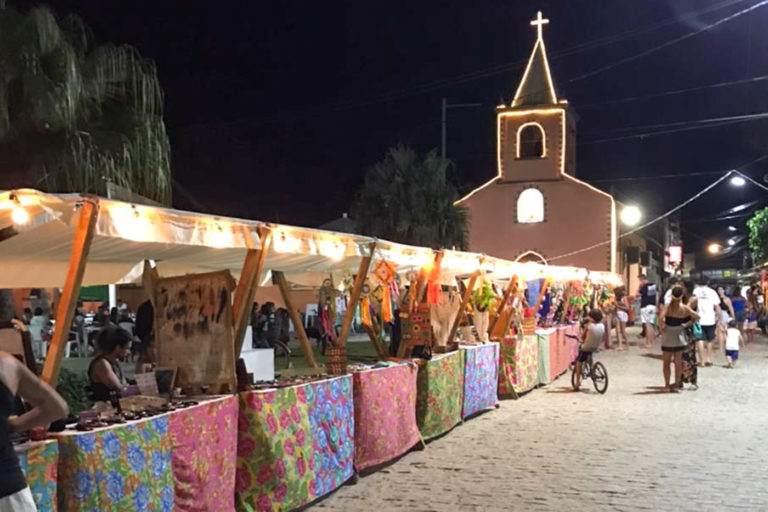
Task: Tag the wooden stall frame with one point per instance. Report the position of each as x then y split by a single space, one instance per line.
511 286
354 296
247 286
65 308
373 334
465 298
282 284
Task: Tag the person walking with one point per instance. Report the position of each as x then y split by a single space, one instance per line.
726 314
17 380
739 305
674 322
622 316
708 308
751 313
649 303
734 340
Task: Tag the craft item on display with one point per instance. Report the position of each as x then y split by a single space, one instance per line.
442 315
365 311
386 306
385 272
417 329
194 330
166 379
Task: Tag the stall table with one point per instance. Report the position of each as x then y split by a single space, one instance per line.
39 460
440 394
481 377
295 444
547 339
385 414
518 364
182 460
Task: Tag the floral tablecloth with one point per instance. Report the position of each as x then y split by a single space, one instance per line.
204 455
39 461
294 445
385 414
125 467
481 377
440 394
567 348
547 340
518 364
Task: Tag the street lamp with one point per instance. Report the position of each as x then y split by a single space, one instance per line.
738 181
732 228
631 215
731 242
714 248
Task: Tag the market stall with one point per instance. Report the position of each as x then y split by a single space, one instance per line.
295 444
518 364
547 339
385 414
39 462
440 394
181 460
481 378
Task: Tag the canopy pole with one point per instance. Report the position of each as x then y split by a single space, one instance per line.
282 284
463 305
354 296
247 286
373 333
65 308
497 316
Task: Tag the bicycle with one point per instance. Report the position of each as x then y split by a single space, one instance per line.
590 370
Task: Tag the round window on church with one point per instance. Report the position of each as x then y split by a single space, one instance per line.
530 206
531 141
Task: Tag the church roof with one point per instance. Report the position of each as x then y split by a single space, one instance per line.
536 87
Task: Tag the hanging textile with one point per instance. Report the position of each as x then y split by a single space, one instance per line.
365 311
386 306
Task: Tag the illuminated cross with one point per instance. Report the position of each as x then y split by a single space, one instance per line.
539 23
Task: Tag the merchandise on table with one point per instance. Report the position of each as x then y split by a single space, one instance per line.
385 413
440 394
295 444
481 370
39 462
518 364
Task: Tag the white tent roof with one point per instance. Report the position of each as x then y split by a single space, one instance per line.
37 253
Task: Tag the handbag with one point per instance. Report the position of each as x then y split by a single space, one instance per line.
697 332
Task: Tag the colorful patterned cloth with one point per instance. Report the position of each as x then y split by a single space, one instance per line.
547 350
385 414
204 455
440 394
39 463
518 364
126 467
294 444
481 378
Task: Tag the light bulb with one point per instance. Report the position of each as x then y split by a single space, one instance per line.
19 215
738 181
714 248
631 215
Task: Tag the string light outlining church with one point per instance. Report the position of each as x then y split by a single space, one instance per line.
534 208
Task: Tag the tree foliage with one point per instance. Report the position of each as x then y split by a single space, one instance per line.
409 199
74 117
758 236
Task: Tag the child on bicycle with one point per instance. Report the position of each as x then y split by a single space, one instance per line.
591 336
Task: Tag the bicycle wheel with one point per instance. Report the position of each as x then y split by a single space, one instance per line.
600 377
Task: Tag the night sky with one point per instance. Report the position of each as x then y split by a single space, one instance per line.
276 109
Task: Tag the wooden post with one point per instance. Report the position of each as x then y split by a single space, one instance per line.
247 286
511 286
462 306
373 333
282 284
354 296
65 309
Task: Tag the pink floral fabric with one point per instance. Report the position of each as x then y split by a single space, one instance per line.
204 455
518 364
385 414
294 444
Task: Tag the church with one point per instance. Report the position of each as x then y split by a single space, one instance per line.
534 208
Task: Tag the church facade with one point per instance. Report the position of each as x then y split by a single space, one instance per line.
534 208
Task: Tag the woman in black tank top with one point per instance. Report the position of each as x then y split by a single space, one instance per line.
16 379
675 319
104 373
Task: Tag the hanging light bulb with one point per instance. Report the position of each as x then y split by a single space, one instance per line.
19 214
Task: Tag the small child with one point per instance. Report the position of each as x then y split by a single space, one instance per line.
592 334
733 340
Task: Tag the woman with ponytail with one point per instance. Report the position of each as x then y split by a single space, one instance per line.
676 318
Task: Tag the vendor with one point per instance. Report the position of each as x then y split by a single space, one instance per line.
48 406
104 372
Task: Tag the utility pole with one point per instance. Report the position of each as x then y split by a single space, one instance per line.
444 131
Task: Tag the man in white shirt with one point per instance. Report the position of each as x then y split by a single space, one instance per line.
708 308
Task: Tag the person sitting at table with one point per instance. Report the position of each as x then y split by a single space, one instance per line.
104 372
48 406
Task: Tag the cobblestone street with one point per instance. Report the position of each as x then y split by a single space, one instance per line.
635 448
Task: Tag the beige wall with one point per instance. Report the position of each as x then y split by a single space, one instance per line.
575 217
515 169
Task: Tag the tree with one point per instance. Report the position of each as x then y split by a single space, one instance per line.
758 236
410 200
74 117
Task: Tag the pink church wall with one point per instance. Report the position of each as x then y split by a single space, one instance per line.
575 217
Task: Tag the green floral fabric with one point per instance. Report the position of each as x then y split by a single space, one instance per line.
440 394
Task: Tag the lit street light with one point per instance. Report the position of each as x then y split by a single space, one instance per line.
731 228
714 248
731 242
738 181
631 215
